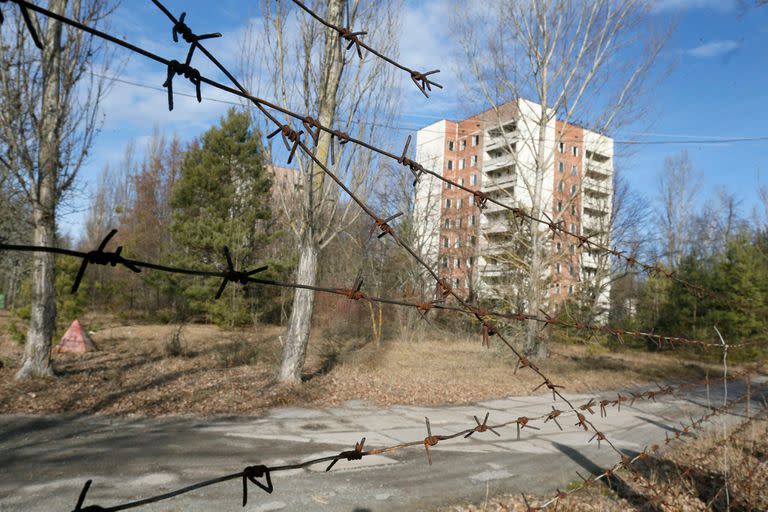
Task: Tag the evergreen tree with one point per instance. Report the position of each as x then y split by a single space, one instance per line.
222 199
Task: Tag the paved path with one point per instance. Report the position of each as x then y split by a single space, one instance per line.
44 461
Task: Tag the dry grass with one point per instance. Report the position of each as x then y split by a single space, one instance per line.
204 370
659 483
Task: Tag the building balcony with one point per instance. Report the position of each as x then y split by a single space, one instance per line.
508 130
500 184
595 189
593 205
491 164
598 172
495 225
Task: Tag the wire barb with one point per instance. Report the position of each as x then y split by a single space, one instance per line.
423 82
415 168
430 440
288 134
234 276
100 257
183 69
253 473
349 455
482 427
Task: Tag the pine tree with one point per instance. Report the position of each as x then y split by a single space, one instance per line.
222 199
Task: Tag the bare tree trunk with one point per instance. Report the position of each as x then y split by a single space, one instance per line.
534 345
42 323
295 347
299 324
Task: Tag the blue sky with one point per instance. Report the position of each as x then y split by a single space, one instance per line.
717 89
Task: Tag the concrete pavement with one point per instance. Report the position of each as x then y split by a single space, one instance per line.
44 461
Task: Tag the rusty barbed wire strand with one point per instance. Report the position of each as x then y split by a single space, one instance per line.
102 257
703 455
626 462
422 80
417 169
264 472
289 134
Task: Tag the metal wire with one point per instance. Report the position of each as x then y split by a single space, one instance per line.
294 142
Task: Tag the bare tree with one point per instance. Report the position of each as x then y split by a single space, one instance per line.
569 58
50 99
304 67
679 186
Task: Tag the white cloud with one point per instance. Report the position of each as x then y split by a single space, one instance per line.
663 6
714 49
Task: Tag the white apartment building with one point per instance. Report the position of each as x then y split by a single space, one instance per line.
495 152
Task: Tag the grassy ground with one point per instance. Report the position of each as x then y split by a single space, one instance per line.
204 370
659 483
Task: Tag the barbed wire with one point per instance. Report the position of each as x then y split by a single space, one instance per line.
481 199
261 475
626 462
422 80
294 142
100 256
664 486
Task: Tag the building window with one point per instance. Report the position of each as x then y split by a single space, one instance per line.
560 186
461 164
557 288
561 147
571 247
559 247
460 204
470 261
450 165
573 189
457 262
457 223
573 229
574 170
573 209
447 203
473 160
560 166
447 223
471 220
450 145
455 282
446 243
458 242
461 182
473 179
472 240
570 289
444 261
559 206
462 144
557 269
570 269
575 150
475 140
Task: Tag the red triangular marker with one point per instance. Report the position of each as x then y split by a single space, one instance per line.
75 340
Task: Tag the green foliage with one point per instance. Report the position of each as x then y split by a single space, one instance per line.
17 334
69 306
222 199
739 277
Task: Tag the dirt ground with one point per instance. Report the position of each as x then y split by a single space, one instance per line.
146 370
